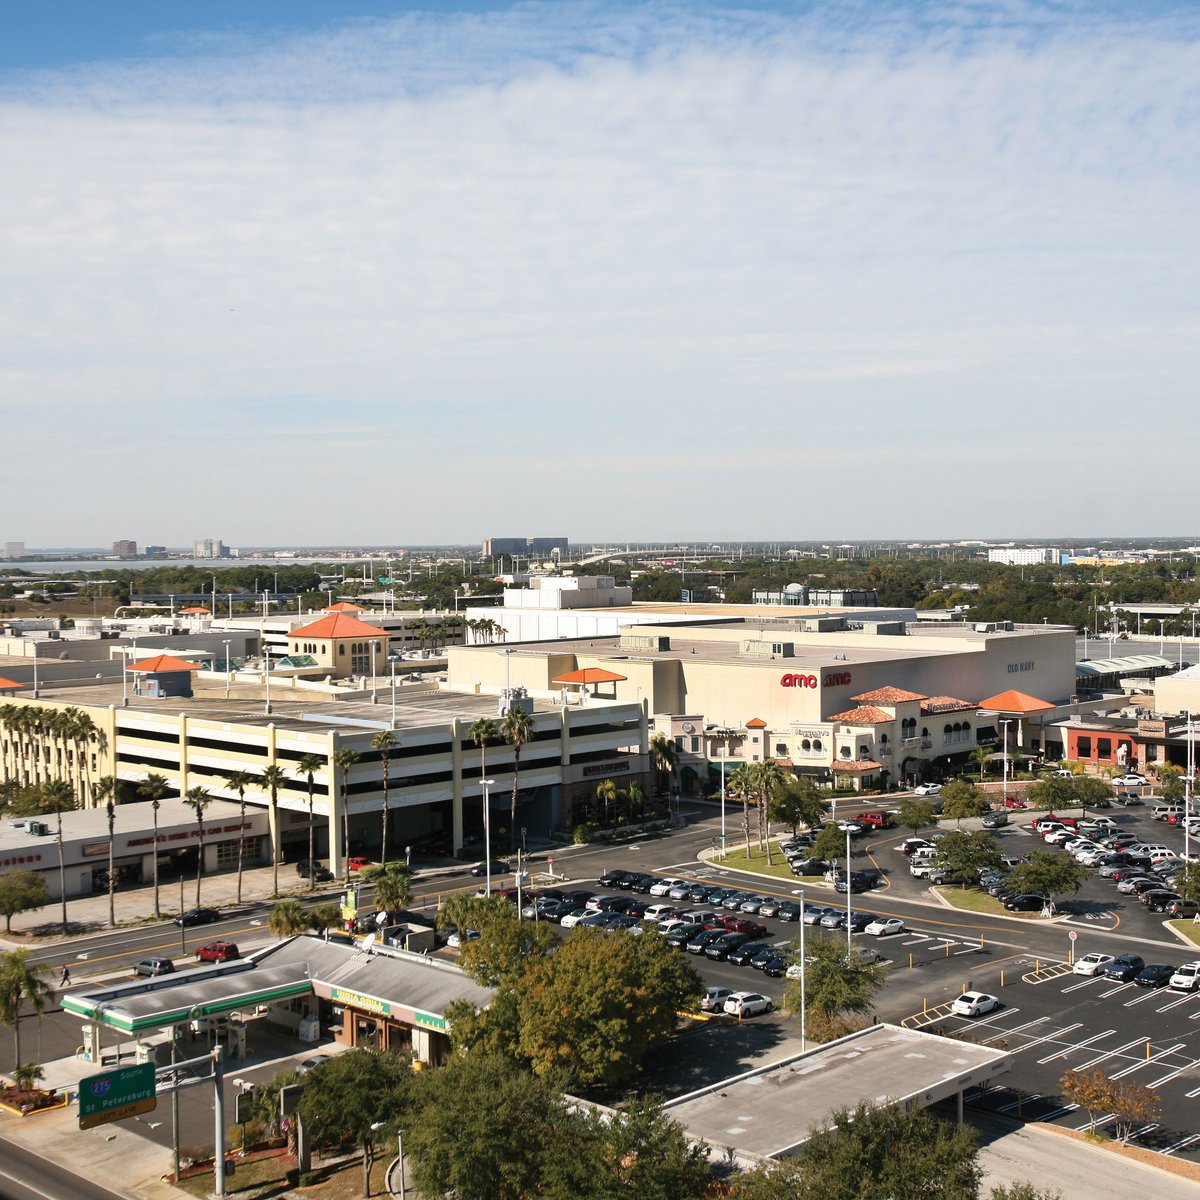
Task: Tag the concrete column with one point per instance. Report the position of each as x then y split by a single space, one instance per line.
456 783
337 852
564 738
183 754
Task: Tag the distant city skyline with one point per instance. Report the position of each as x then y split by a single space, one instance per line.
294 272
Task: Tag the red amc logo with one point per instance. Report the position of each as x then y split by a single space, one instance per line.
804 681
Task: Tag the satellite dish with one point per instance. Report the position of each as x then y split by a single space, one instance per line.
368 943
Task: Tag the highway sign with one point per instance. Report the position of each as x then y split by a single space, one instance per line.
116 1095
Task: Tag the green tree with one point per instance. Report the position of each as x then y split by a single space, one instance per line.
58 798
829 843
198 799
324 916
384 741
361 1092
916 814
1048 874
662 754
27 1076
483 732
981 755
154 788
1023 1190
308 766
288 918
799 802
105 791
836 984
1053 793
967 855
869 1151
768 779
1088 791
962 799
240 781
606 793
1186 881
21 982
517 728
393 886
506 945
273 778
593 1009
1088 1090
344 759
481 1127
20 891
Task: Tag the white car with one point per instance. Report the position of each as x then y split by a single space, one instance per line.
1187 978
747 1004
974 1004
884 926
660 912
571 919
927 789
714 999
663 886
1131 780
1092 964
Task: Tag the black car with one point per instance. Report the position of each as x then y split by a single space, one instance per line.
704 939
1026 902
811 866
776 966
314 871
741 955
480 869
1124 968
1159 899
198 916
789 910
642 883
860 881
616 879
723 945
682 934
1154 975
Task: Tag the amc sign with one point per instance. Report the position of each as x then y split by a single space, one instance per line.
832 679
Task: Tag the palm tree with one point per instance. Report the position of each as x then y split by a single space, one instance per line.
288 918
308 766
517 728
324 916
154 787
27 1076
384 741
21 982
637 802
481 732
981 754
662 751
240 781
345 758
741 784
106 791
606 793
58 797
197 799
393 886
273 778
768 779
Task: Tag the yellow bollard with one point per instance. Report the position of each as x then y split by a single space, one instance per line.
910 962
1001 978
981 941
1037 966
924 1006
947 949
1147 1051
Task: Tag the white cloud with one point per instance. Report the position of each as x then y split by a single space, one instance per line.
451 265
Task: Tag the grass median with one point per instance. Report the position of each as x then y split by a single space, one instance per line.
975 900
735 858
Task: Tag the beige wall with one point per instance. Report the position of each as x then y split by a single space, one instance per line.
1176 695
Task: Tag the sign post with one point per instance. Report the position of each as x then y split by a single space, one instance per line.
1071 955
116 1095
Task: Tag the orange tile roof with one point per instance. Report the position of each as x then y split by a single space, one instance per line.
887 695
865 715
344 606
1015 702
860 765
161 663
590 675
756 723
7 685
945 704
193 611
784 762
338 625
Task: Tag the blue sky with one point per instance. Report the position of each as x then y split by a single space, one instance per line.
399 273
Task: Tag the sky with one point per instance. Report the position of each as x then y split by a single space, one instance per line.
334 273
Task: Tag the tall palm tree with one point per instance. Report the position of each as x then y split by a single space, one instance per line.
482 732
21 983
105 792
384 741
344 758
198 799
662 752
637 802
517 728
154 787
240 781
393 886
606 793
768 779
741 784
273 778
308 766
58 797
981 754
288 918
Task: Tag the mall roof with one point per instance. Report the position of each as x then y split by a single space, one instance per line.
865 714
771 1111
337 625
888 695
935 705
1126 665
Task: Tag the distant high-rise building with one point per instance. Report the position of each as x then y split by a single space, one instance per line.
523 546
125 549
210 548
155 551
14 549
1025 556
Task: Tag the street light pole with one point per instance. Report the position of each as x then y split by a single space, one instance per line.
849 892
267 675
487 835
393 666
724 743
228 673
1004 724
803 1015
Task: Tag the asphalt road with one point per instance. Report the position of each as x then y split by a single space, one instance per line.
27 1176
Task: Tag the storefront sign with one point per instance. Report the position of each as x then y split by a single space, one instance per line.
832 679
94 849
612 768
428 1021
1152 728
1017 667
357 1000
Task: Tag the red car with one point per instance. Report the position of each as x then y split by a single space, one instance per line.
740 925
1015 802
357 863
218 952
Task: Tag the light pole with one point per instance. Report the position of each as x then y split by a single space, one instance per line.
400 1153
803 997
849 892
267 675
724 744
374 650
1004 724
228 673
1187 789
485 784
392 664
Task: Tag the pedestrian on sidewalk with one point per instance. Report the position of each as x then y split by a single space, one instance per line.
66 976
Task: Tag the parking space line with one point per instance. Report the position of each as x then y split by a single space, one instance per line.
1076 1046
1175 1003
1091 1062
1047 1037
1192 1094
1113 991
1171 1075
1054 1114
1098 1122
1019 1101
1076 986
1182 1144
1145 1062
1139 999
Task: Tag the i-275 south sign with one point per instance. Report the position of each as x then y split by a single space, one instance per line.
115 1095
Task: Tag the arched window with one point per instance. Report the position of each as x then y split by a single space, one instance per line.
845 752
949 729
816 745
806 745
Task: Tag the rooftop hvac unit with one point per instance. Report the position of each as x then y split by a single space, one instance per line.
37 828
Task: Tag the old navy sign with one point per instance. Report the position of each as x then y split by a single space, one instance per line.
831 679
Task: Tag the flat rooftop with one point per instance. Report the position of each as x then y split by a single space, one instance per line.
772 1111
292 710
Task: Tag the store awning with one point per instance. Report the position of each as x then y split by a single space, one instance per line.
590 675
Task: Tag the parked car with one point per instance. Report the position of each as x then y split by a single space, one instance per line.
994 820
357 862
974 1004
704 939
156 964
218 952
927 789
747 1004
478 870
1154 975
682 934
1133 779
1025 902
1186 978
1124 967
811 866
911 845
311 1064
789 910
1127 799
714 999
198 916
314 871
884 926
663 886
1092 964
615 879
744 955
721 948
